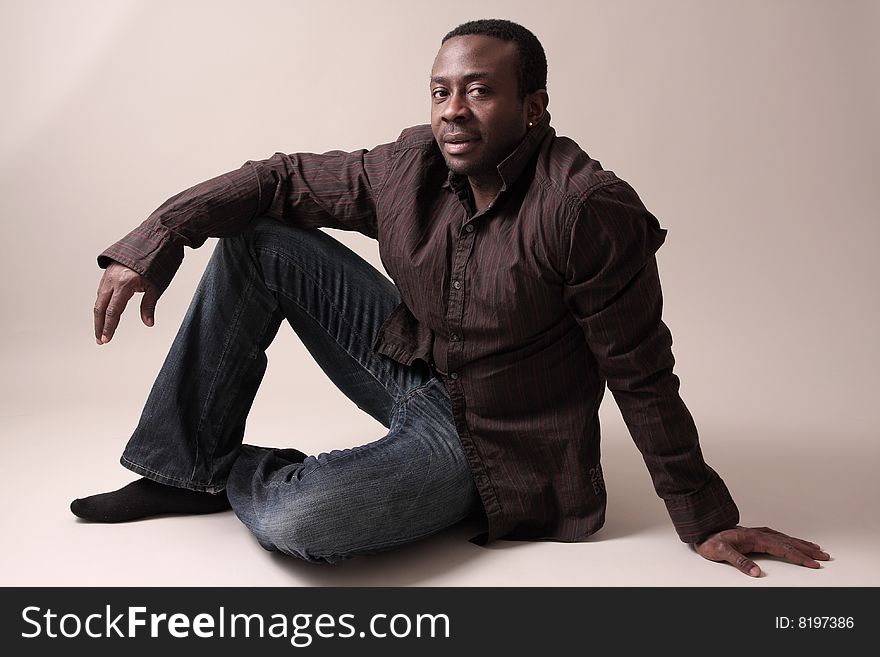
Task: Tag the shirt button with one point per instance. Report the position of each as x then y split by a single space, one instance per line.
453 375
456 285
469 228
454 337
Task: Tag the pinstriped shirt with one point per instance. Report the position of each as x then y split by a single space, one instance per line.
527 310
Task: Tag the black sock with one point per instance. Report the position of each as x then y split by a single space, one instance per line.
144 498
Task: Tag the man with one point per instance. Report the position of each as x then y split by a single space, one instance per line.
524 280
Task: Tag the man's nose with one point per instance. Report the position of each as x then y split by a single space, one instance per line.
456 108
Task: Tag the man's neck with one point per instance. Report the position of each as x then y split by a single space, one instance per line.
485 189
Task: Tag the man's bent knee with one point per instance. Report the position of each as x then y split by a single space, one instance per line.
302 535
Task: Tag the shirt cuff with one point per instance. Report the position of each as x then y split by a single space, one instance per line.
150 256
698 515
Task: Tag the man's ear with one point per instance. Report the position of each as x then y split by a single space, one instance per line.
536 102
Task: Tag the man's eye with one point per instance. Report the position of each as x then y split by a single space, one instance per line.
439 93
478 91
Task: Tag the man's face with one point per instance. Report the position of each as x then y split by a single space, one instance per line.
477 115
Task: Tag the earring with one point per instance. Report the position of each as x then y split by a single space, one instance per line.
531 124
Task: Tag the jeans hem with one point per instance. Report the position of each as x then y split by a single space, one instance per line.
170 481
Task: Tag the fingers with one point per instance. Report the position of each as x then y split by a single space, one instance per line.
799 542
118 285
783 547
101 304
740 561
148 305
113 311
732 545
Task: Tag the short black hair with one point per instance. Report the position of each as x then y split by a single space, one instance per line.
532 68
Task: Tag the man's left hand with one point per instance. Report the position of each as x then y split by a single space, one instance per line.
732 546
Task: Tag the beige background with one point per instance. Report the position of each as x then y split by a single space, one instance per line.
748 128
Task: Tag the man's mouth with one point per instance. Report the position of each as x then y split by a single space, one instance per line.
459 143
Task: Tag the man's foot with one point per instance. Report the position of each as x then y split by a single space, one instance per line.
144 498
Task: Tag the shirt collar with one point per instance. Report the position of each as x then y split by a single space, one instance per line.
513 165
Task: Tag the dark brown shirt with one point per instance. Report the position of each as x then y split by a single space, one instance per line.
526 309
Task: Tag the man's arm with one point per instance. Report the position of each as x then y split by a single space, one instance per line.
613 289
331 190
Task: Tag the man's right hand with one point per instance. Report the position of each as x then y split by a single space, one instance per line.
117 286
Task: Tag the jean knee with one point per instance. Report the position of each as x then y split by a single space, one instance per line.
300 533
265 233
262 231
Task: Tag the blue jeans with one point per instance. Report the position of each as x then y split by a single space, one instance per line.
408 484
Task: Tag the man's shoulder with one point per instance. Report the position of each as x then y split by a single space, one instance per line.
415 137
568 170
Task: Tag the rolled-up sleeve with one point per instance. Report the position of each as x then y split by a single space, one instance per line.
613 289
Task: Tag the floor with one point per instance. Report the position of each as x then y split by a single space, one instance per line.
64 442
